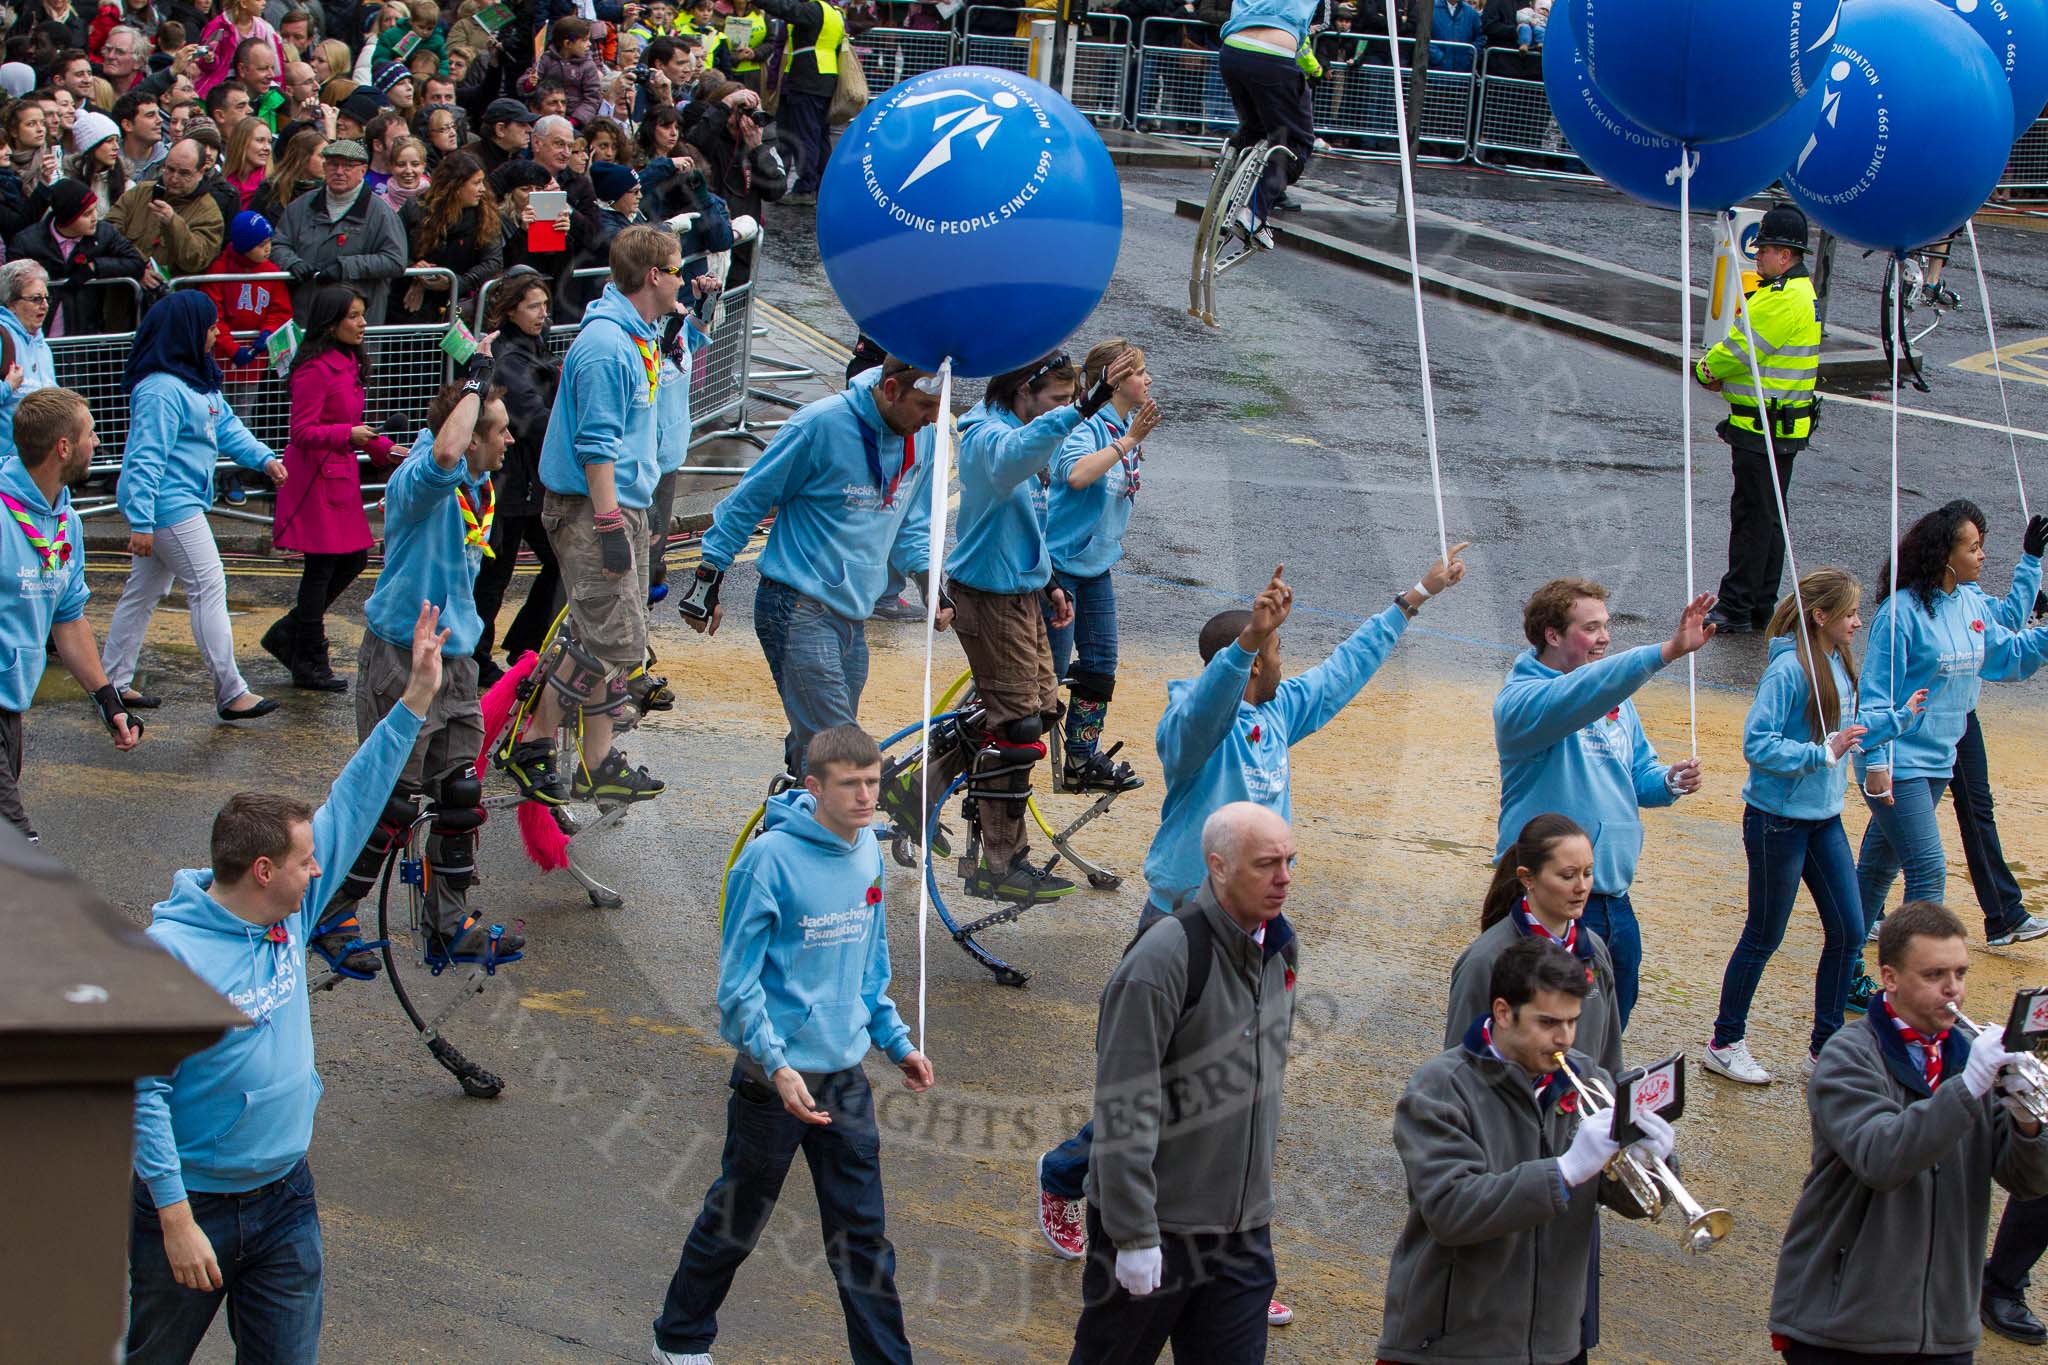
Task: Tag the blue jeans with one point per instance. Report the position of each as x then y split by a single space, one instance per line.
268 1246
1063 1171
1614 919
819 660
1782 853
1903 834
761 1140
1998 895
1093 628
1529 35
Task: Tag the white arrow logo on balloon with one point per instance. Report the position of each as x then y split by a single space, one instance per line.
1830 107
966 120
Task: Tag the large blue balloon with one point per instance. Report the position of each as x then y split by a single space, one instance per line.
1915 125
2016 31
1638 162
1703 70
970 213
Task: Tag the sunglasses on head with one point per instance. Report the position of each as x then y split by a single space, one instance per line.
1057 361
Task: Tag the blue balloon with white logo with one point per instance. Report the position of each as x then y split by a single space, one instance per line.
970 213
2016 31
1915 124
1704 70
1641 163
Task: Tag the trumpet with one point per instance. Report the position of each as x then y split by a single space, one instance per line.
1649 1179
2029 1066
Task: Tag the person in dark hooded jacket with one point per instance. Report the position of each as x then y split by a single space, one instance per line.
529 373
79 252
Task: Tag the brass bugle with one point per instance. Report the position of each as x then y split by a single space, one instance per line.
2030 1067
1648 1178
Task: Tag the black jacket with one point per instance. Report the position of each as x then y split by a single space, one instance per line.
18 209
79 24
530 375
463 251
75 305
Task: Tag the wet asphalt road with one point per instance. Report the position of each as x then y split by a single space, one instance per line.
541 1227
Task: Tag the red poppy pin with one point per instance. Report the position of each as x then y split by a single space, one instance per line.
1977 626
278 934
1290 978
875 892
1589 976
1255 734
1570 1103
1615 714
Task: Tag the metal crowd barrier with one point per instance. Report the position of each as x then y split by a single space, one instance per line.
1354 102
1102 67
1515 130
892 55
992 49
2026 172
1179 84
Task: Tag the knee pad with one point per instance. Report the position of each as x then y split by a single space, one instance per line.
391 827
617 696
1002 765
1020 733
1089 686
457 810
573 671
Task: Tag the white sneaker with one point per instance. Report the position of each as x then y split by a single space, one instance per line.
1806 1067
1734 1062
661 1357
2026 931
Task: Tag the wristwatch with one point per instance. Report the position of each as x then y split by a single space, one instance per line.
1406 610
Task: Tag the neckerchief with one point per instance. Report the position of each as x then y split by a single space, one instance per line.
1528 925
476 522
650 356
1129 462
56 552
871 445
1930 1048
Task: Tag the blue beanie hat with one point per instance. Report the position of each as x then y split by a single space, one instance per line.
248 231
610 180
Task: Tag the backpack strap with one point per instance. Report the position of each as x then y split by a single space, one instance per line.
1201 951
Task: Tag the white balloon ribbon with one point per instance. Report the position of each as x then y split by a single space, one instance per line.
935 567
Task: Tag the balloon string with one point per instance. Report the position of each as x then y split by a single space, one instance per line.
1898 331
1998 367
1436 483
1687 160
942 477
1814 662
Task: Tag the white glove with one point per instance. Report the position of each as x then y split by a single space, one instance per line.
1593 1146
2014 1089
1987 1055
682 222
1658 1138
1138 1270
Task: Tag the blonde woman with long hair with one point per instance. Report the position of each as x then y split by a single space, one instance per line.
1797 738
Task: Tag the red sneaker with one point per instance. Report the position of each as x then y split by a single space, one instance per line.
1063 1224
1278 1314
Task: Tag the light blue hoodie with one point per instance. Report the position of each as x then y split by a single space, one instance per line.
1085 526
1572 743
1000 545
425 559
1293 15
834 538
803 971
603 411
1215 747
1950 652
31 601
38 371
240 1113
1789 772
175 436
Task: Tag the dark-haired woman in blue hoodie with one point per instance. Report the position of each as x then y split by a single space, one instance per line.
179 425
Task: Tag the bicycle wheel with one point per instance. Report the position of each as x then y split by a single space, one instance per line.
429 995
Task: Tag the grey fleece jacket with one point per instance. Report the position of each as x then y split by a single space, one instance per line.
1490 1268
1186 1116
366 247
1599 1020
1885 1252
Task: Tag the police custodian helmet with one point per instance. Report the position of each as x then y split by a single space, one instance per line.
1783 226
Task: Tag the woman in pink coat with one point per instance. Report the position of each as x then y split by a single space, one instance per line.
238 20
321 515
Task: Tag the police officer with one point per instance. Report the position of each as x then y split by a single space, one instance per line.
1786 320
